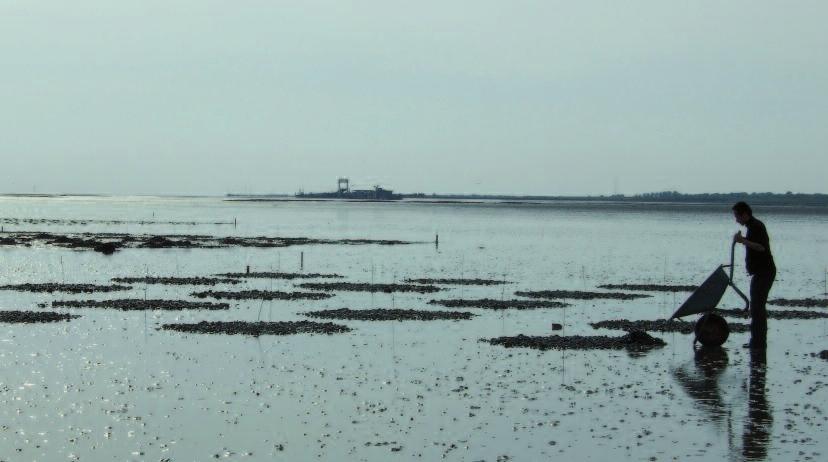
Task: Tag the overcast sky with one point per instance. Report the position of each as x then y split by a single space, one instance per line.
537 97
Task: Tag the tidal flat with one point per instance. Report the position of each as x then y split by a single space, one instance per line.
113 384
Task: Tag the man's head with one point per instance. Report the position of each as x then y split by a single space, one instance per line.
742 212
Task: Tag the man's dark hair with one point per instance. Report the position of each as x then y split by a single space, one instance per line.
742 207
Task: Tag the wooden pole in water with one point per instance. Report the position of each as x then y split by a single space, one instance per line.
247 271
301 260
437 241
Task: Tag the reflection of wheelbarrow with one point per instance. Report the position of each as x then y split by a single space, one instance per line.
711 329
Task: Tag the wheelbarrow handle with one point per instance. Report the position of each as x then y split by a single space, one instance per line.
744 297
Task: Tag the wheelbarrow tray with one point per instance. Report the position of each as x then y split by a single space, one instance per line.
707 296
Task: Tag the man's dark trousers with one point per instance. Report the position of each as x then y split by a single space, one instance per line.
760 285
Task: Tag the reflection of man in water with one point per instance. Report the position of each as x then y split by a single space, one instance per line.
757 430
760 266
702 384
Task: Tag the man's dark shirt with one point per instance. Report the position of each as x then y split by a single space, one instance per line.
756 261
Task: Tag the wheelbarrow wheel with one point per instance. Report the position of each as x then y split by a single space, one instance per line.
712 330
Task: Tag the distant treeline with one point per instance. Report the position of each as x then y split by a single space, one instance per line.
762 198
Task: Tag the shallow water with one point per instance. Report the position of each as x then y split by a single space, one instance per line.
110 386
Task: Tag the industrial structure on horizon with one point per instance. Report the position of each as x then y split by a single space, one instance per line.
343 191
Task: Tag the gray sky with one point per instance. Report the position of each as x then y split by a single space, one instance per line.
536 97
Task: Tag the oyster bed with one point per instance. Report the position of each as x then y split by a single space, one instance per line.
801 302
363 287
140 304
390 314
775 314
493 304
458 281
67 288
110 242
637 340
278 275
178 281
258 328
579 295
650 287
660 325
27 317
261 295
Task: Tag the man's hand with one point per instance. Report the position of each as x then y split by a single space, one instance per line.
737 238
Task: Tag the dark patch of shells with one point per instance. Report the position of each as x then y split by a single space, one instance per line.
258 328
660 325
637 340
395 314
181 281
278 275
67 288
110 242
578 295
139 304
34 316
261 295
776 314
801 302
492 304
363 287
457 281
650 287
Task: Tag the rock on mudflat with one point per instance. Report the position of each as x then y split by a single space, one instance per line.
69 288
802 302
278 275
823 354
34 316
637 340
578 295
179 281
363 287
140 304
650 287
258 328
395 314
659 325
457 281
261 295
492 304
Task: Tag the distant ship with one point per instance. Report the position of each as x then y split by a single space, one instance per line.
343 191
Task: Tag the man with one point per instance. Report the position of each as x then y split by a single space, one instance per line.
760 266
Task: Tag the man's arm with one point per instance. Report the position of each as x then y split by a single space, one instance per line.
753 245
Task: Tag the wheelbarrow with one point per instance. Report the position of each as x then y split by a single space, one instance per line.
711 329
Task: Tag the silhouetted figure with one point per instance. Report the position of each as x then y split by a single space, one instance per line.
757 430
760 266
